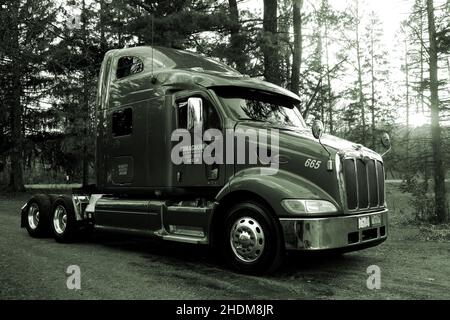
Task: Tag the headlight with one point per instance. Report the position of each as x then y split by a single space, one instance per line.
297 206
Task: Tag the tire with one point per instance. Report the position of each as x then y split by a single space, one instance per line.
37 216
63 223
252 240
52 198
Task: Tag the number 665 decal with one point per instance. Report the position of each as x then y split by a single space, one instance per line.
313 164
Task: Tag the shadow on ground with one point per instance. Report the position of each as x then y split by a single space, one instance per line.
200 257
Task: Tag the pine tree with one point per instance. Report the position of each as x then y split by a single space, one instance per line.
436 134
270 42
25 36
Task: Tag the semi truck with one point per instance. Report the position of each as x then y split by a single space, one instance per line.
316 192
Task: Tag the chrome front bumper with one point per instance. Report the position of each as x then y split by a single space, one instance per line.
333 232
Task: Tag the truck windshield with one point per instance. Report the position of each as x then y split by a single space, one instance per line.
262 107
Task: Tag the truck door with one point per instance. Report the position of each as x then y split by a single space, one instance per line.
204 173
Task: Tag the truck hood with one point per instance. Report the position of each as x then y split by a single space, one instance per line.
303 139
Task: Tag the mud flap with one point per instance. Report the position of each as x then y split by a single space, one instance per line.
23 215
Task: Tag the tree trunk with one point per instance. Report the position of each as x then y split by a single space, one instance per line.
372 74
103 43
318 56
237 43
407 101
422 70
270 47
439 170
360 84
288 69
16 177
297 56
85 101
327 58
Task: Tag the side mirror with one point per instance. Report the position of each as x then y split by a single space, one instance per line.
194 113
386 142
317 129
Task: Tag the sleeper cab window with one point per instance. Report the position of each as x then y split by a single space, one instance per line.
122 122
127 66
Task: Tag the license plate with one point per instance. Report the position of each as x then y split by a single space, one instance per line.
363 222
376 220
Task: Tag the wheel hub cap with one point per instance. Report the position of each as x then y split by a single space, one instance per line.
33 216
60 219
247 239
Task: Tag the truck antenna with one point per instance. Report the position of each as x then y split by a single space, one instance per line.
153 77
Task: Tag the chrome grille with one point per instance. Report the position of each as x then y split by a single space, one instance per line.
364 183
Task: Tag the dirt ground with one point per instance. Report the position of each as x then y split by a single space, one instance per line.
122 267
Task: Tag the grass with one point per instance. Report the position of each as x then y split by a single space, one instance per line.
402 218
399 203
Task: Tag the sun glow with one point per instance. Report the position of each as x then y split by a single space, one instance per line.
418 120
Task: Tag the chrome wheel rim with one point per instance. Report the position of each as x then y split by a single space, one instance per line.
33 216
60 219
247 239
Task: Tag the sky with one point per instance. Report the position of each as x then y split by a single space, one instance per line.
390 12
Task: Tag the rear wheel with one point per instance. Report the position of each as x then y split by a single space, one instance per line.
37 216
63 222
252 239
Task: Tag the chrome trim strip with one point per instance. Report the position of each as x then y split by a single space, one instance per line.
368 185
125 230
340 180
378 183
126 212
359 215
357 184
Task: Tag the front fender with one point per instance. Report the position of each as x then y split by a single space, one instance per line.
274 188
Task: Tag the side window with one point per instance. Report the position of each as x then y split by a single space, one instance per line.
127 66
122 122
182 114
211 119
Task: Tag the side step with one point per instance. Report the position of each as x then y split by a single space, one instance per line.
188 224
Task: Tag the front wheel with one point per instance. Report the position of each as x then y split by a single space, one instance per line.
252 239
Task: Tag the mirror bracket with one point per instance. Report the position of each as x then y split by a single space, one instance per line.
386 152
317 131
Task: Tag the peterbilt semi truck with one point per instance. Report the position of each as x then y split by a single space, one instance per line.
323 193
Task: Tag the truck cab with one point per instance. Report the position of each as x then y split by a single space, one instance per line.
190 150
